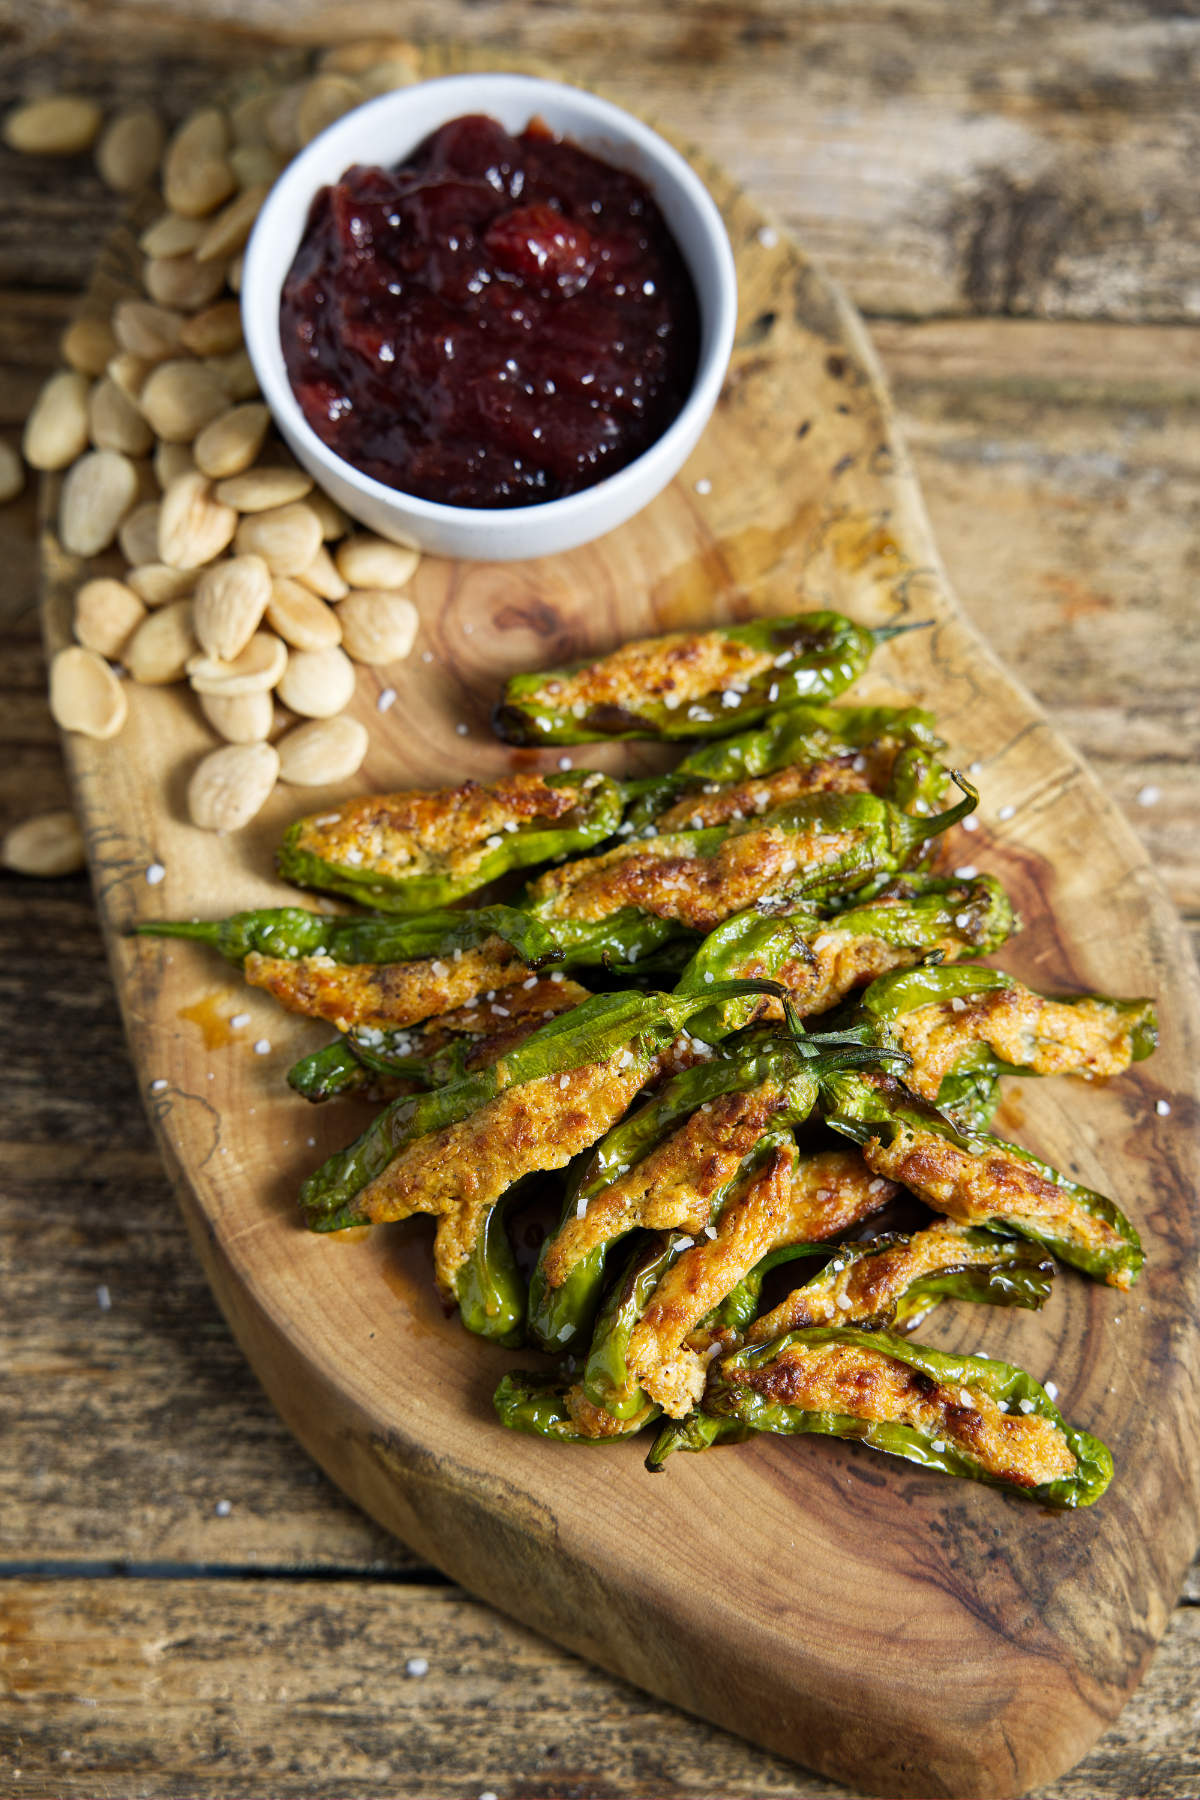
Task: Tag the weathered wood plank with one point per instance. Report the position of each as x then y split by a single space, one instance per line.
939 159
268 1687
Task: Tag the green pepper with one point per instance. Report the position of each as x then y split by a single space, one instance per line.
335 1071
1082 1034
690 684
979 1179
753 1385
398 854
537 1404
638 1025
291 932
489 1288
735 1312
800 736
562 1314
819 958
811 850
697 1431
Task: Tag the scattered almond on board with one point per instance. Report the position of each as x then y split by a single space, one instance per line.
242 580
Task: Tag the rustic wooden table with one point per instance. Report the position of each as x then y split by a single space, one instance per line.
1007 191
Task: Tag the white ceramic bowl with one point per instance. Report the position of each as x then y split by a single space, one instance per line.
384 131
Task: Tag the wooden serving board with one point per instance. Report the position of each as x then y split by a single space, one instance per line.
901 1631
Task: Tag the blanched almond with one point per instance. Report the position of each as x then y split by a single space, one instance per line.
130 148
322 577
46 845
322 751
97 492
114 422
236 271
181 397
283 130
229 786
231 442
377 627
330 517
364 58
287 538
85 695
237 372
128 372
107 613
240 718
256 669
325 98
215 331
227 233
196 174
56 125
56 431
182 281
12 473
300 618
172 460
157 584
171 235
262 490
193 526
162 646
227 608
373 562
317 683
255 164
248 117
147 330
138 535
87 344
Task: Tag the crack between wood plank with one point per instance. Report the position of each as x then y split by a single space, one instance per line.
102 1569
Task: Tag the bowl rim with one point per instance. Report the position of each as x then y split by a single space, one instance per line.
261 287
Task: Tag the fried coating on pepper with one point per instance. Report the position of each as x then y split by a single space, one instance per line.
675 668
1087 1037
459 1172
854 772
1025 1450
788 1201
384 994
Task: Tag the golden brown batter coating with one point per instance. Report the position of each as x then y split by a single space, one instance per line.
459 1172
994 1185
870 1287
1024 1449
383 994
682 666
786 1202
677 1185
1087 1038
412 832
501 1023
852 773
668 877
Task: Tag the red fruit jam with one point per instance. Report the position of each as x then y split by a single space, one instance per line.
497 322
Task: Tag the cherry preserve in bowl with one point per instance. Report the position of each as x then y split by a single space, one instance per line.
499 321
491 314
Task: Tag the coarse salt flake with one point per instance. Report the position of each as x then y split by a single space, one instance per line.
958 1004
417 1665
1149 795
704 485
1026 1406
461 728
1051 1388
439 968
971 824
386 700
103 1298
154 874
1006 812
263 1047
159 1086
564 1081
967 872
494 842
1162 1108
767 236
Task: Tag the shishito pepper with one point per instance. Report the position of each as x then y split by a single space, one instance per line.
819 959
965 1026
541 1406
292 932
371 1058
812 851
684 1147
863 747
690 684
979 1179
965 1415
411 851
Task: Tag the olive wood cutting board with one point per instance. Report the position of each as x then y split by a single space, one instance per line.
898 1630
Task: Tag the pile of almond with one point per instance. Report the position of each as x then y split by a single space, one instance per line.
241 580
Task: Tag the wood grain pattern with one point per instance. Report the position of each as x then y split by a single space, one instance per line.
837 548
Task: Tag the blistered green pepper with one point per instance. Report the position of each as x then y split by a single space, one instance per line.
408 853
537 1404
752 1386
801 736
606 1025
808 852
979 1179
1032 1033
292 932
334 1072
819 959
690 684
